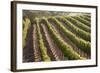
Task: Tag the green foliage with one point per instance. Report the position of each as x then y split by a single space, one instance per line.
78 24
82 20
82 44
26 25
65 48
42 47
79 32
86 18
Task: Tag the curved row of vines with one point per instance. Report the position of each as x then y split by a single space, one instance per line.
55 38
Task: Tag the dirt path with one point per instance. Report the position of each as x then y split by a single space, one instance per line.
37 55
55 50
28 55
68 40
